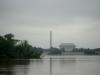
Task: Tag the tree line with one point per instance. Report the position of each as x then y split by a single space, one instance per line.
88 51
11 48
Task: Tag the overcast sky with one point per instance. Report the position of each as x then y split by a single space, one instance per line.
72 21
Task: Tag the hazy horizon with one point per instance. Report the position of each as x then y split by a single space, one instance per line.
71 21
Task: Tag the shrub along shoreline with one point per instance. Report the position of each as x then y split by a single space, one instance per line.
11 48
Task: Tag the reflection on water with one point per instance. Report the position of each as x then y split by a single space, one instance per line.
61 65
14 67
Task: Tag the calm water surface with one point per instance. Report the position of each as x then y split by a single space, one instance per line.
60 65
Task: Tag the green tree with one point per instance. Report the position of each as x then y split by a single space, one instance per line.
12 48
24 50
9 36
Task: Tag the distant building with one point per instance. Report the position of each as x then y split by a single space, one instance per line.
67 46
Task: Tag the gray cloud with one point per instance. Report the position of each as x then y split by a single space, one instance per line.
74 17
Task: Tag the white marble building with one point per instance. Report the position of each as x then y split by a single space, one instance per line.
67 46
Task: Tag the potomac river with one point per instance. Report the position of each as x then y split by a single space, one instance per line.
52 65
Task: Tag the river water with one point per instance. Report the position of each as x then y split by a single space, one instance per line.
54 65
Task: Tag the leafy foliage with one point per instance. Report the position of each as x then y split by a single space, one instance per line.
15 49
54 51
